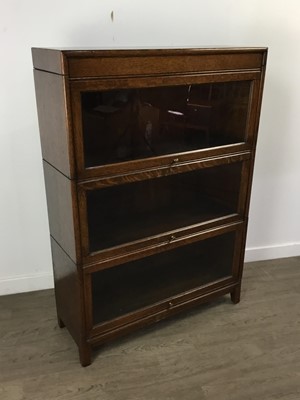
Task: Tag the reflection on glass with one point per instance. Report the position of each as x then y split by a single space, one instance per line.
124 213
128 124
131 286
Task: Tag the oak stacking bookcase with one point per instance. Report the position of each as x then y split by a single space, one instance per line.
148 160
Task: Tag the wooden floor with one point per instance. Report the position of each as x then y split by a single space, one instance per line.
217 351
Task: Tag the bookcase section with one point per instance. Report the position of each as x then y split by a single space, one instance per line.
124 213
137 284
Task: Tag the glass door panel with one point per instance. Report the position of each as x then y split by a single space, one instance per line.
131 286
125 213
129 124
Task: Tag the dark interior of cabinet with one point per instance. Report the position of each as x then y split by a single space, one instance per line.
128 124
125 213
137 284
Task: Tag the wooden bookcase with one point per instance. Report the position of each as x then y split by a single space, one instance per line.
148 160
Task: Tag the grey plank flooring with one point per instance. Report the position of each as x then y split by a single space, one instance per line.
217 351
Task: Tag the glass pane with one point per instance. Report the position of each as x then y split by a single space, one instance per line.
124 213
128 124
120 290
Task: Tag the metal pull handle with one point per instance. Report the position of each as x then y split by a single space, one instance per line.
172 238
174 161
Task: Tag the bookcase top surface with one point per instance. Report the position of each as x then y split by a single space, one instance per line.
58 60
107 48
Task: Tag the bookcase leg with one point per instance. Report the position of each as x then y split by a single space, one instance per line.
60 322
85 354
236 294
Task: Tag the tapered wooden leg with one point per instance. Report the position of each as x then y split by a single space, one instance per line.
60 322
85 354
236 294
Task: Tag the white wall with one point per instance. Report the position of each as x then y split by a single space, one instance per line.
274 229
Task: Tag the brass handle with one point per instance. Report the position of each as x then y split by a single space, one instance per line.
172 238
175 160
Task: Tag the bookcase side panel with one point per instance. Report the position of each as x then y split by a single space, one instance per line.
62 211
54 124
68 294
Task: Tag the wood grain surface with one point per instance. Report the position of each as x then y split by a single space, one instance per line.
218 351
54 124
